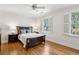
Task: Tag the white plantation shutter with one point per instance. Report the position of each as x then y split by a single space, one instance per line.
66 23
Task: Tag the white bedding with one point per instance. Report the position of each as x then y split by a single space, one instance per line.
23 37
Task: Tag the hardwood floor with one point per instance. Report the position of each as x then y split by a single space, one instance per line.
49 48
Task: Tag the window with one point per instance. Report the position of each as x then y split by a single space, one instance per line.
47 24
71 23
66 23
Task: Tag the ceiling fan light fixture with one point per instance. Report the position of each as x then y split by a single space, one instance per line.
34 6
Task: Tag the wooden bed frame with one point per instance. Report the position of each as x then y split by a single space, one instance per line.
31 41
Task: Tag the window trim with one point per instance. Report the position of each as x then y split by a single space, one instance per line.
70 14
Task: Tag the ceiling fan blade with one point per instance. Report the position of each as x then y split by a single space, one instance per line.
34 6
26 5
41 7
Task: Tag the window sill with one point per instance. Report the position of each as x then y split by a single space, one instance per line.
71 35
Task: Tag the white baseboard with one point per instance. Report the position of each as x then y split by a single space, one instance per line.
74 46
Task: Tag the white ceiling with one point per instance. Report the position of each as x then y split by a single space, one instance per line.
28 11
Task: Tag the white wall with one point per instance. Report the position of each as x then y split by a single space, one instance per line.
58 28
8 19
13 18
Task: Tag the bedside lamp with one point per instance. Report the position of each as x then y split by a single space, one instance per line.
35 28
13 30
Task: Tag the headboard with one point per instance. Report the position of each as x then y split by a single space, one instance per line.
19 28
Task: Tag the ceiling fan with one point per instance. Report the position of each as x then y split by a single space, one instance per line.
35 6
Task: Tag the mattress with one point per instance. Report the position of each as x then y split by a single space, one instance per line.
23 37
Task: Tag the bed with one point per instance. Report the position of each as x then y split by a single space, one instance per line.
28 38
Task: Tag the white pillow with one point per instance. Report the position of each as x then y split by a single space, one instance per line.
29 31
23 31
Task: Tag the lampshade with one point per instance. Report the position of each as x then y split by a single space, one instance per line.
35 27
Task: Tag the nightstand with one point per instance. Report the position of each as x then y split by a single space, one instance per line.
12 38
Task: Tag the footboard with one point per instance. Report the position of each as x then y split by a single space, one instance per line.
34 41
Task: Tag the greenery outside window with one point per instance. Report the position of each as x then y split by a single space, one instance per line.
71 23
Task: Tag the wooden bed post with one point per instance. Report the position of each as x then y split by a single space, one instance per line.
27 44
44 39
